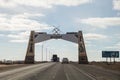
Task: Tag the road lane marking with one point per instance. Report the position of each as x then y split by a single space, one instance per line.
85 73
67 76
54 76
57 68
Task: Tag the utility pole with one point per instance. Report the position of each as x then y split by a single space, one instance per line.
42 52
49 55
46 54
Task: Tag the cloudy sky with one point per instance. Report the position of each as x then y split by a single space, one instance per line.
98 19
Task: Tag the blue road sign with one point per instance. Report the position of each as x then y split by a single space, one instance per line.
114 54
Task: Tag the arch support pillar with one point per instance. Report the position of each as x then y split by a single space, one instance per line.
29 59
82 56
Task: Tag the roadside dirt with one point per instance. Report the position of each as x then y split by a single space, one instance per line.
4 67
109 66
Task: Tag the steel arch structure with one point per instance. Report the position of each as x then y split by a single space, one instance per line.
76 37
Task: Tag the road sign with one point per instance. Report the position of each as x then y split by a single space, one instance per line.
114 54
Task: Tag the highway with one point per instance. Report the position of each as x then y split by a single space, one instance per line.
58 71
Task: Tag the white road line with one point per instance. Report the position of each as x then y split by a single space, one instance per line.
67 76
85 73
54 76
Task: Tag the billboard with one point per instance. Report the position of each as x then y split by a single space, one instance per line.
114 54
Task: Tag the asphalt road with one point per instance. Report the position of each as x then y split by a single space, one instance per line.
99 73
56 71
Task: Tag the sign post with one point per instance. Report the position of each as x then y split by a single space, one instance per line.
114 60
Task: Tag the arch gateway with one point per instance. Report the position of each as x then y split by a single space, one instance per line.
36 37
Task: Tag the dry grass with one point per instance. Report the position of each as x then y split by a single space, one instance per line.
111 66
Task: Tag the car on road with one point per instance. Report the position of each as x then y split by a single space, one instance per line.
65 60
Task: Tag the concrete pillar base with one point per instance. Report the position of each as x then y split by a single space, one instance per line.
29 60
83 60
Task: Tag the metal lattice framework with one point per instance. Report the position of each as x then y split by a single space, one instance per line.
76 37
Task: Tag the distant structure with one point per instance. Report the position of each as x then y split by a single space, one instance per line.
76 37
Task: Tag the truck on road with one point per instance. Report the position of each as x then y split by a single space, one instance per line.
55 58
